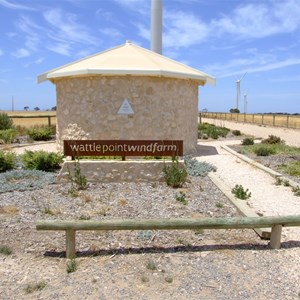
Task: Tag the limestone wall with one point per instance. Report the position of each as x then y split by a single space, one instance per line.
164 108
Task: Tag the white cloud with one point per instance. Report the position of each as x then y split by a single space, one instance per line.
111 32
66 29
258 20
22 52
60 48
11 5
183 30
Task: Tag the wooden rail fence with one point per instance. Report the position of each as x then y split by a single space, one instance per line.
70 227
288 121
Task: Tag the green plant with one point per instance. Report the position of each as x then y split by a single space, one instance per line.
78 180
5 122
30 288
291 168
84 217
272 139
183 242
7 161
175 174
5 250
181 197
219 205
264 150
278 181
47 211
7 136
236 132
209 130
71 266
40 133
41 160
197 168
296 191
240 192
248 141
145 234
151 265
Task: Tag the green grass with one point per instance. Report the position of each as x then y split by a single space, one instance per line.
274 148
30 288
291 168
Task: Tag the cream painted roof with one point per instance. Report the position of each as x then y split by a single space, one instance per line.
127 59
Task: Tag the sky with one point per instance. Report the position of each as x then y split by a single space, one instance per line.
257 41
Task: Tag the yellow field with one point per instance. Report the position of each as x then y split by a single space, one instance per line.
29 119
289 121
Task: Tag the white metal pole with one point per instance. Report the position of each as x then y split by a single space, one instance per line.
156 26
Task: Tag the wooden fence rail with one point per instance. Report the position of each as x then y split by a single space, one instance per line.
70 227
288 121
48 117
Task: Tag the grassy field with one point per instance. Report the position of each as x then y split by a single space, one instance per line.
29 119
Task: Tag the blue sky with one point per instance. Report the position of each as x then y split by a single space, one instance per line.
224 38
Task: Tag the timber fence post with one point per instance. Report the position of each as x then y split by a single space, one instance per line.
70 243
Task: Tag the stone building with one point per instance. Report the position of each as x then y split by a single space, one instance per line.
127 93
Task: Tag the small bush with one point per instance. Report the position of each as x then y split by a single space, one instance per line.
240 192
247 141
175 174
40 133
296 191
236 132
197 168
291 168
209 130
78 180
181 197
5 250
30 288
25 180
5 122
7 136
272 139
41 160
72 266
7 161
264 151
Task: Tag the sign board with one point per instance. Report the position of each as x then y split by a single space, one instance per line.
125 108
123 148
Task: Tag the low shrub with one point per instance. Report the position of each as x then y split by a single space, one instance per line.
263 150
197 168
5 250
236 132
181 197
7 161
247 141
7 136
175 174
273 139
291 168
240 192
41 160
209 130
25 180
40 133
5 122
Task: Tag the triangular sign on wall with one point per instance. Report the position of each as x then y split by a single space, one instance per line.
125 108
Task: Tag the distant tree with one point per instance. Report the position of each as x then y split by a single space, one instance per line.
234 111
53 108
36 108
26 108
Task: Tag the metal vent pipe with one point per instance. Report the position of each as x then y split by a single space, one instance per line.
156 26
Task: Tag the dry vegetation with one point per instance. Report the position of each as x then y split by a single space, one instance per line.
34 121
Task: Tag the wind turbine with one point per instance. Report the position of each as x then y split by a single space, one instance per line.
238 90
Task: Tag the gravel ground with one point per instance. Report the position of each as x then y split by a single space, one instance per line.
215 264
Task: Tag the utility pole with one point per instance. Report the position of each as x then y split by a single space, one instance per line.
12 103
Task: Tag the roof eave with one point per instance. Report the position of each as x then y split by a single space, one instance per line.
203 79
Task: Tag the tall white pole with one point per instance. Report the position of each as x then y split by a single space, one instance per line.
156 26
